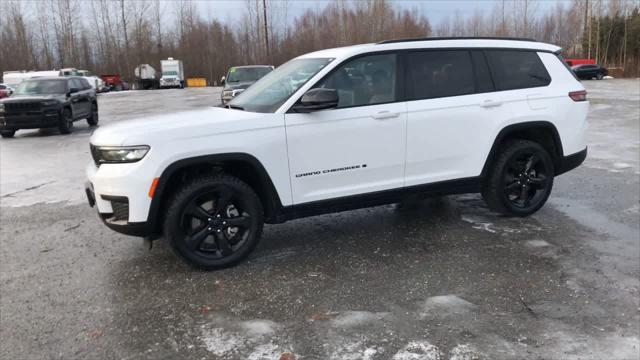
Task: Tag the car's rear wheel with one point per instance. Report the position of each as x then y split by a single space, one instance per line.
66 121
214 221
520 179
600 76
7 133
93 119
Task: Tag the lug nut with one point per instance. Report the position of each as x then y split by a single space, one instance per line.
209 229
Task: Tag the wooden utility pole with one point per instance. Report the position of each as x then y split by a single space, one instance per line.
586 51
266 31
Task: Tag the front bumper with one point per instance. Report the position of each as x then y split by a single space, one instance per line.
120 196
29 120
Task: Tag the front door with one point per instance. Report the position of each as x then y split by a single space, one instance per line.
358 147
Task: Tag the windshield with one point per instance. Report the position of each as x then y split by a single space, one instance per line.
247 74
31 87
170 73
268 93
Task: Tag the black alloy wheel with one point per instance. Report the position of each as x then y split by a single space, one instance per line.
520 180
214 222
66 121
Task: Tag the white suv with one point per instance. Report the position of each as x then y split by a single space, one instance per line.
341 129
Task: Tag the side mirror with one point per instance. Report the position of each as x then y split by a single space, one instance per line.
317 99
222 80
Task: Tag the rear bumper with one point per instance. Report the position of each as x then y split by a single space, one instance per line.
571 162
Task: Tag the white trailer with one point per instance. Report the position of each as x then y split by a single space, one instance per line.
145 77
13 78
172 73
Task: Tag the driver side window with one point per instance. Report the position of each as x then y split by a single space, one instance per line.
367 80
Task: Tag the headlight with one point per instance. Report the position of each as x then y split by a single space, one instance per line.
236 92
49 102
227 93
118 154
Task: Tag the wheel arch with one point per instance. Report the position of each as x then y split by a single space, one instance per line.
244 166
542 132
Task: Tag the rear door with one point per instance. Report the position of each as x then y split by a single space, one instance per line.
452 111
358 147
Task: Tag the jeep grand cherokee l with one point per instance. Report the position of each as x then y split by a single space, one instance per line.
341 129
48 102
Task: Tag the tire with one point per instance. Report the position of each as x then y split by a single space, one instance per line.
520 179
599 76
66 122
7 133
94 118
200 233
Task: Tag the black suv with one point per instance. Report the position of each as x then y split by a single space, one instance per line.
239 78
588 71
48 102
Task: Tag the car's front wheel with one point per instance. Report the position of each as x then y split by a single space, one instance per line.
520 180
214 221
66 121
7 133
600 76
92 120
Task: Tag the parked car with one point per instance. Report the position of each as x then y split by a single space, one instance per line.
341 129
5 90
588 71
113 82
48 102
239 78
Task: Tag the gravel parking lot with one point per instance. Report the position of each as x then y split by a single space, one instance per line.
442 278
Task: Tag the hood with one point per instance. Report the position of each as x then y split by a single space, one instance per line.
237 85
163 129
27 98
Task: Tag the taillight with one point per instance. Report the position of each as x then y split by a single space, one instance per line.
578 95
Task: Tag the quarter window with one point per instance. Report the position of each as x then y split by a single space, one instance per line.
367 80
517 69
434 74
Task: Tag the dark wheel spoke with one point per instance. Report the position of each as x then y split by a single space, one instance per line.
222 201
223 244
198 212
539 182
194 241
524 194
531 163
513 186
240 221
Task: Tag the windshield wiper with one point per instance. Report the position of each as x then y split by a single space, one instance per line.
236 107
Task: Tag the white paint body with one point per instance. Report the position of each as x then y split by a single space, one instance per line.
421 142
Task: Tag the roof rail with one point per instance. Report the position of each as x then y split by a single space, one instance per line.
455 38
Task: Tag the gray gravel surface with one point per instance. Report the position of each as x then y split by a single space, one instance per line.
441 278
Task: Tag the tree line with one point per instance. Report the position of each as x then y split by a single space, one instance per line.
114 36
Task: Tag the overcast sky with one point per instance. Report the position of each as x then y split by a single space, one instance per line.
231 10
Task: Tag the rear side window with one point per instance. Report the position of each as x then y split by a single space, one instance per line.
435 74
514 69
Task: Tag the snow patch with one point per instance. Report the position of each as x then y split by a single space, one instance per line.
258 328
353 350
621 165
355 318
268 351
418 350
537 243
221 343
464 352
445 305
479 223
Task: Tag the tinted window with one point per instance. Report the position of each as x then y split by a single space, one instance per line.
484 83
74 83
514 69
249 74
30 87
366 80
85 84
434 74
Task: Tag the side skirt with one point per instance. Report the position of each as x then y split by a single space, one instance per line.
449 187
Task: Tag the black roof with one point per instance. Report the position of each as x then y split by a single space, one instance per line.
456 38
52 77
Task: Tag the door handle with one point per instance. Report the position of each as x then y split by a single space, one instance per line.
490 103
382 115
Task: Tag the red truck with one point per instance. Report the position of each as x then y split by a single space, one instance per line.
573 62
113 82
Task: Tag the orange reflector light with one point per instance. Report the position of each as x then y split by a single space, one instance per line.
152 189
